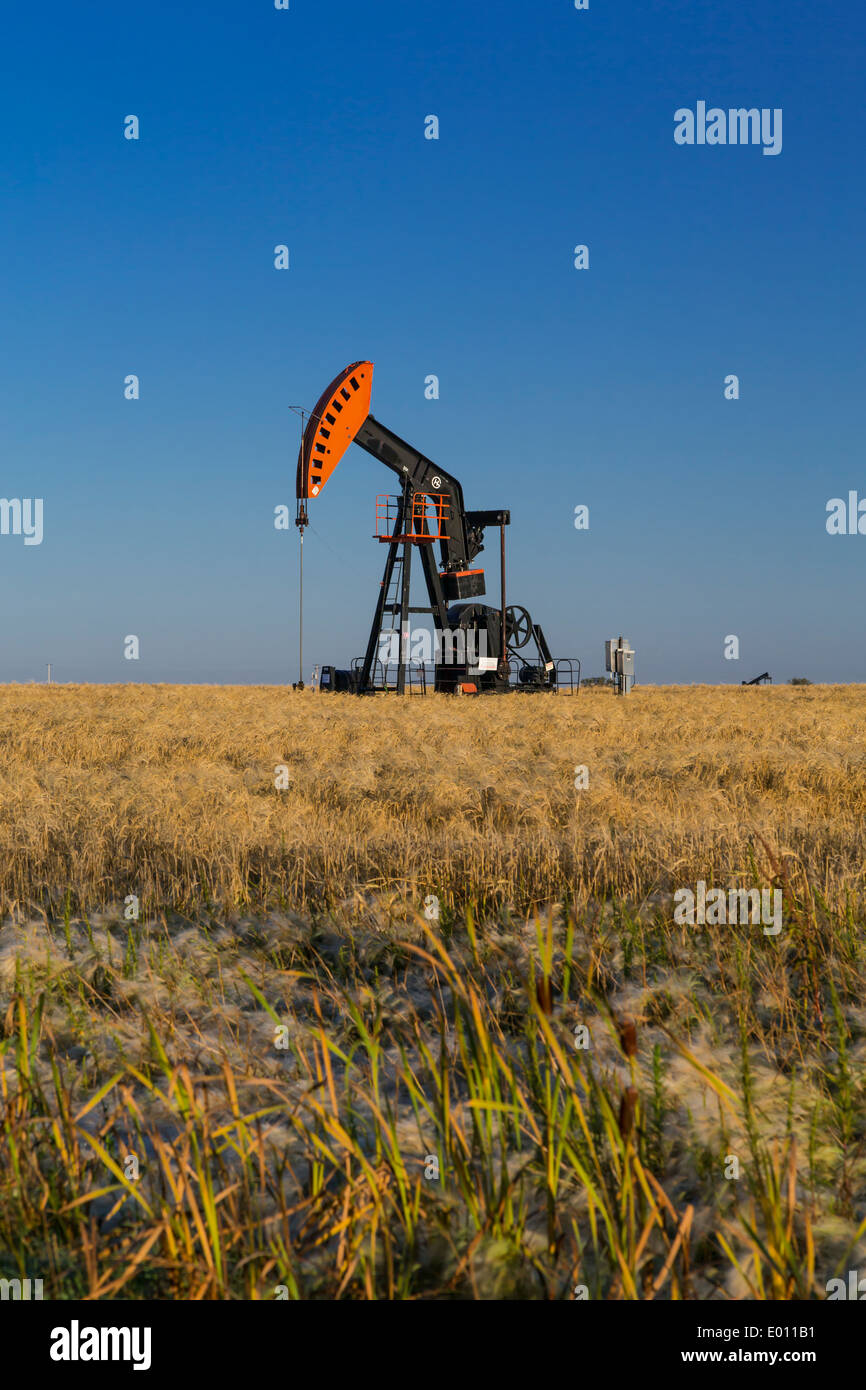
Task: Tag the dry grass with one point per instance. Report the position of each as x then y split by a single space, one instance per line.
283 1044
168 792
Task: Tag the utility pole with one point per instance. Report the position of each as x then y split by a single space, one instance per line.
49 672
503 655
301 520
301 613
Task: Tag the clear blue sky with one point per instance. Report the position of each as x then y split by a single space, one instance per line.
453 257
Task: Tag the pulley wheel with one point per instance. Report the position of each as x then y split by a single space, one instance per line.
518 627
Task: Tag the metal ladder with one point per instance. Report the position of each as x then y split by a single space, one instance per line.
392 606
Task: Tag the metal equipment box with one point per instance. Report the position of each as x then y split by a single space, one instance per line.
461 584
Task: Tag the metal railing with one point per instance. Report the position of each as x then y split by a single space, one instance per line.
424 518
566 670
565 675
383 675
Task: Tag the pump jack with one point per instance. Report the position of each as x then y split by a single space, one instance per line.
475 643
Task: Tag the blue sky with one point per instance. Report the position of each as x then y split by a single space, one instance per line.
454 257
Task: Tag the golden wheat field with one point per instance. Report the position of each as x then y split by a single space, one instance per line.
169 793
306 996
